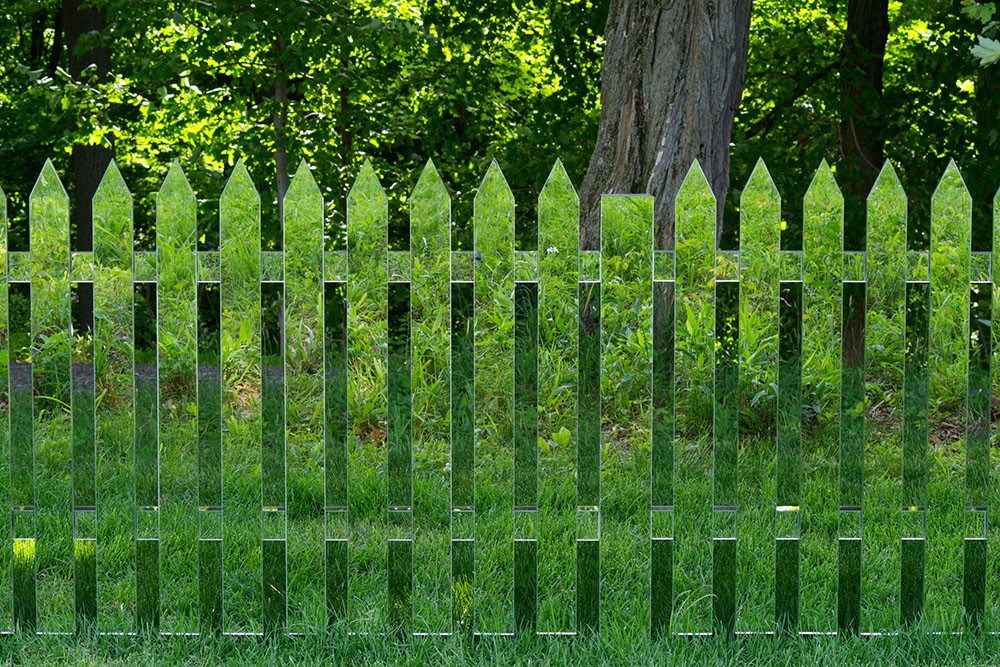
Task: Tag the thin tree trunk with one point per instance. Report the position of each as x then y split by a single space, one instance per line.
37 38
862 58
984 177
671 83
89 162
55 53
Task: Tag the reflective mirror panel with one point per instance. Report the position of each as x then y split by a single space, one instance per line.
6 450
209 458
852 452
274 513
788 498
493 220
558 308
915 443
117 427
992 618
588 457
525 456
177 343
463 529
822 244
724 543
626 405
303 427
367 360
51 369
335 526
661 467
400 467
694 403
430 298
884 360
951 257
84 463
759 299
977 453
146 453
240 351
22 459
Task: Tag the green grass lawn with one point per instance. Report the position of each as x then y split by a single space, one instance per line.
625 567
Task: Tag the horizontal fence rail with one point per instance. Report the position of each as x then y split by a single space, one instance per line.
682 440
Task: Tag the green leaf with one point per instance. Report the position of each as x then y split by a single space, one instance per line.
988 51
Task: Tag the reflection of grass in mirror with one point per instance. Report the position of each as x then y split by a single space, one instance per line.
880 601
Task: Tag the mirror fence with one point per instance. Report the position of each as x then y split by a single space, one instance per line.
673 440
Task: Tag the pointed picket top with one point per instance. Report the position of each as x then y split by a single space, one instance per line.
239 185
886 238
367 232
760 211
303 198
430 185
493 225
430 224
175 209
887 185
239 239
558 199
303 183
303 226
695 188
558 186
175 186
823 208
494 188
112 187
48 184
951 197
113 221
761 183
694 211
558 222
366 188
823 190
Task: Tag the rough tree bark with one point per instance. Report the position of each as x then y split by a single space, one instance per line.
671 83
862 58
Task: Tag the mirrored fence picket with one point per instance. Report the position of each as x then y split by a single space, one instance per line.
656 436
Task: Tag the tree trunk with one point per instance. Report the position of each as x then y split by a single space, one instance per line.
671 83
55 53
862 57
89 162
983 177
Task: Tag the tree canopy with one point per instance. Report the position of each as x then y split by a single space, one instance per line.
397 82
